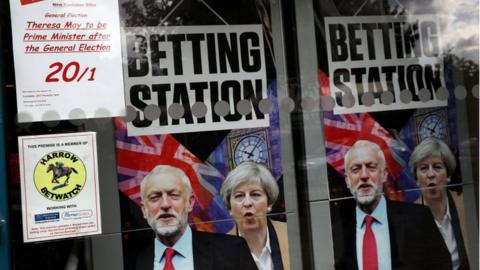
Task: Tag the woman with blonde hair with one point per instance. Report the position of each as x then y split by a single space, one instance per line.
432 163
249 191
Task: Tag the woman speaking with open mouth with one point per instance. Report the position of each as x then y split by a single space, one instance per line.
432 163
249 191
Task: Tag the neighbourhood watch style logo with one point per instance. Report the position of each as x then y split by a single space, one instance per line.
59 176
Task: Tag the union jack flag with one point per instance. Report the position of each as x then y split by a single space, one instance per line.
137 156
342 131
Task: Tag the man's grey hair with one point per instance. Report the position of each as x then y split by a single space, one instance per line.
160 169
365 144
249 172
432 147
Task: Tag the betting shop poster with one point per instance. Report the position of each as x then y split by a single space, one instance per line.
378 54
59 185
194 66
67 59
403 55
217 62
380 63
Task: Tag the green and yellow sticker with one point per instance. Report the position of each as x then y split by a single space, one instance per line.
59 175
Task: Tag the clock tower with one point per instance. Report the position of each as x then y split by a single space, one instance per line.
249 145
431 123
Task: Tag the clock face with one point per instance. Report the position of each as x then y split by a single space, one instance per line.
433 126
251 148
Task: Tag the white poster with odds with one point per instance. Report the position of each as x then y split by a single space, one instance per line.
59 185
67 59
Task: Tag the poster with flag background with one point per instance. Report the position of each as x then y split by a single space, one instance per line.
206 157
206 164
392 81
396 132
397 127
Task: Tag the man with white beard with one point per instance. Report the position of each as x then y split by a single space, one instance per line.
378 233
167 200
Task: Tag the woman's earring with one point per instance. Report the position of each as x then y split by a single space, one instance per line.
269 209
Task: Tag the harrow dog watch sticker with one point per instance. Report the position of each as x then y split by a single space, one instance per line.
59 175
59 184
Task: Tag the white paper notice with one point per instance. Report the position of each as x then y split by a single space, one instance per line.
67 59
188 68
383 63
59 184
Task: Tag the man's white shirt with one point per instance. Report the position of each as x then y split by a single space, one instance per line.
183 258
380 230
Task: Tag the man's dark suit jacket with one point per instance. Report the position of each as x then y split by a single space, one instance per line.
415 241
211 251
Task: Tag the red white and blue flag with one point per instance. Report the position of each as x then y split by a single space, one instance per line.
342 131
137 156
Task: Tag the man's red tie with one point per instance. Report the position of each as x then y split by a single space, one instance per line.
370 261
169 253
